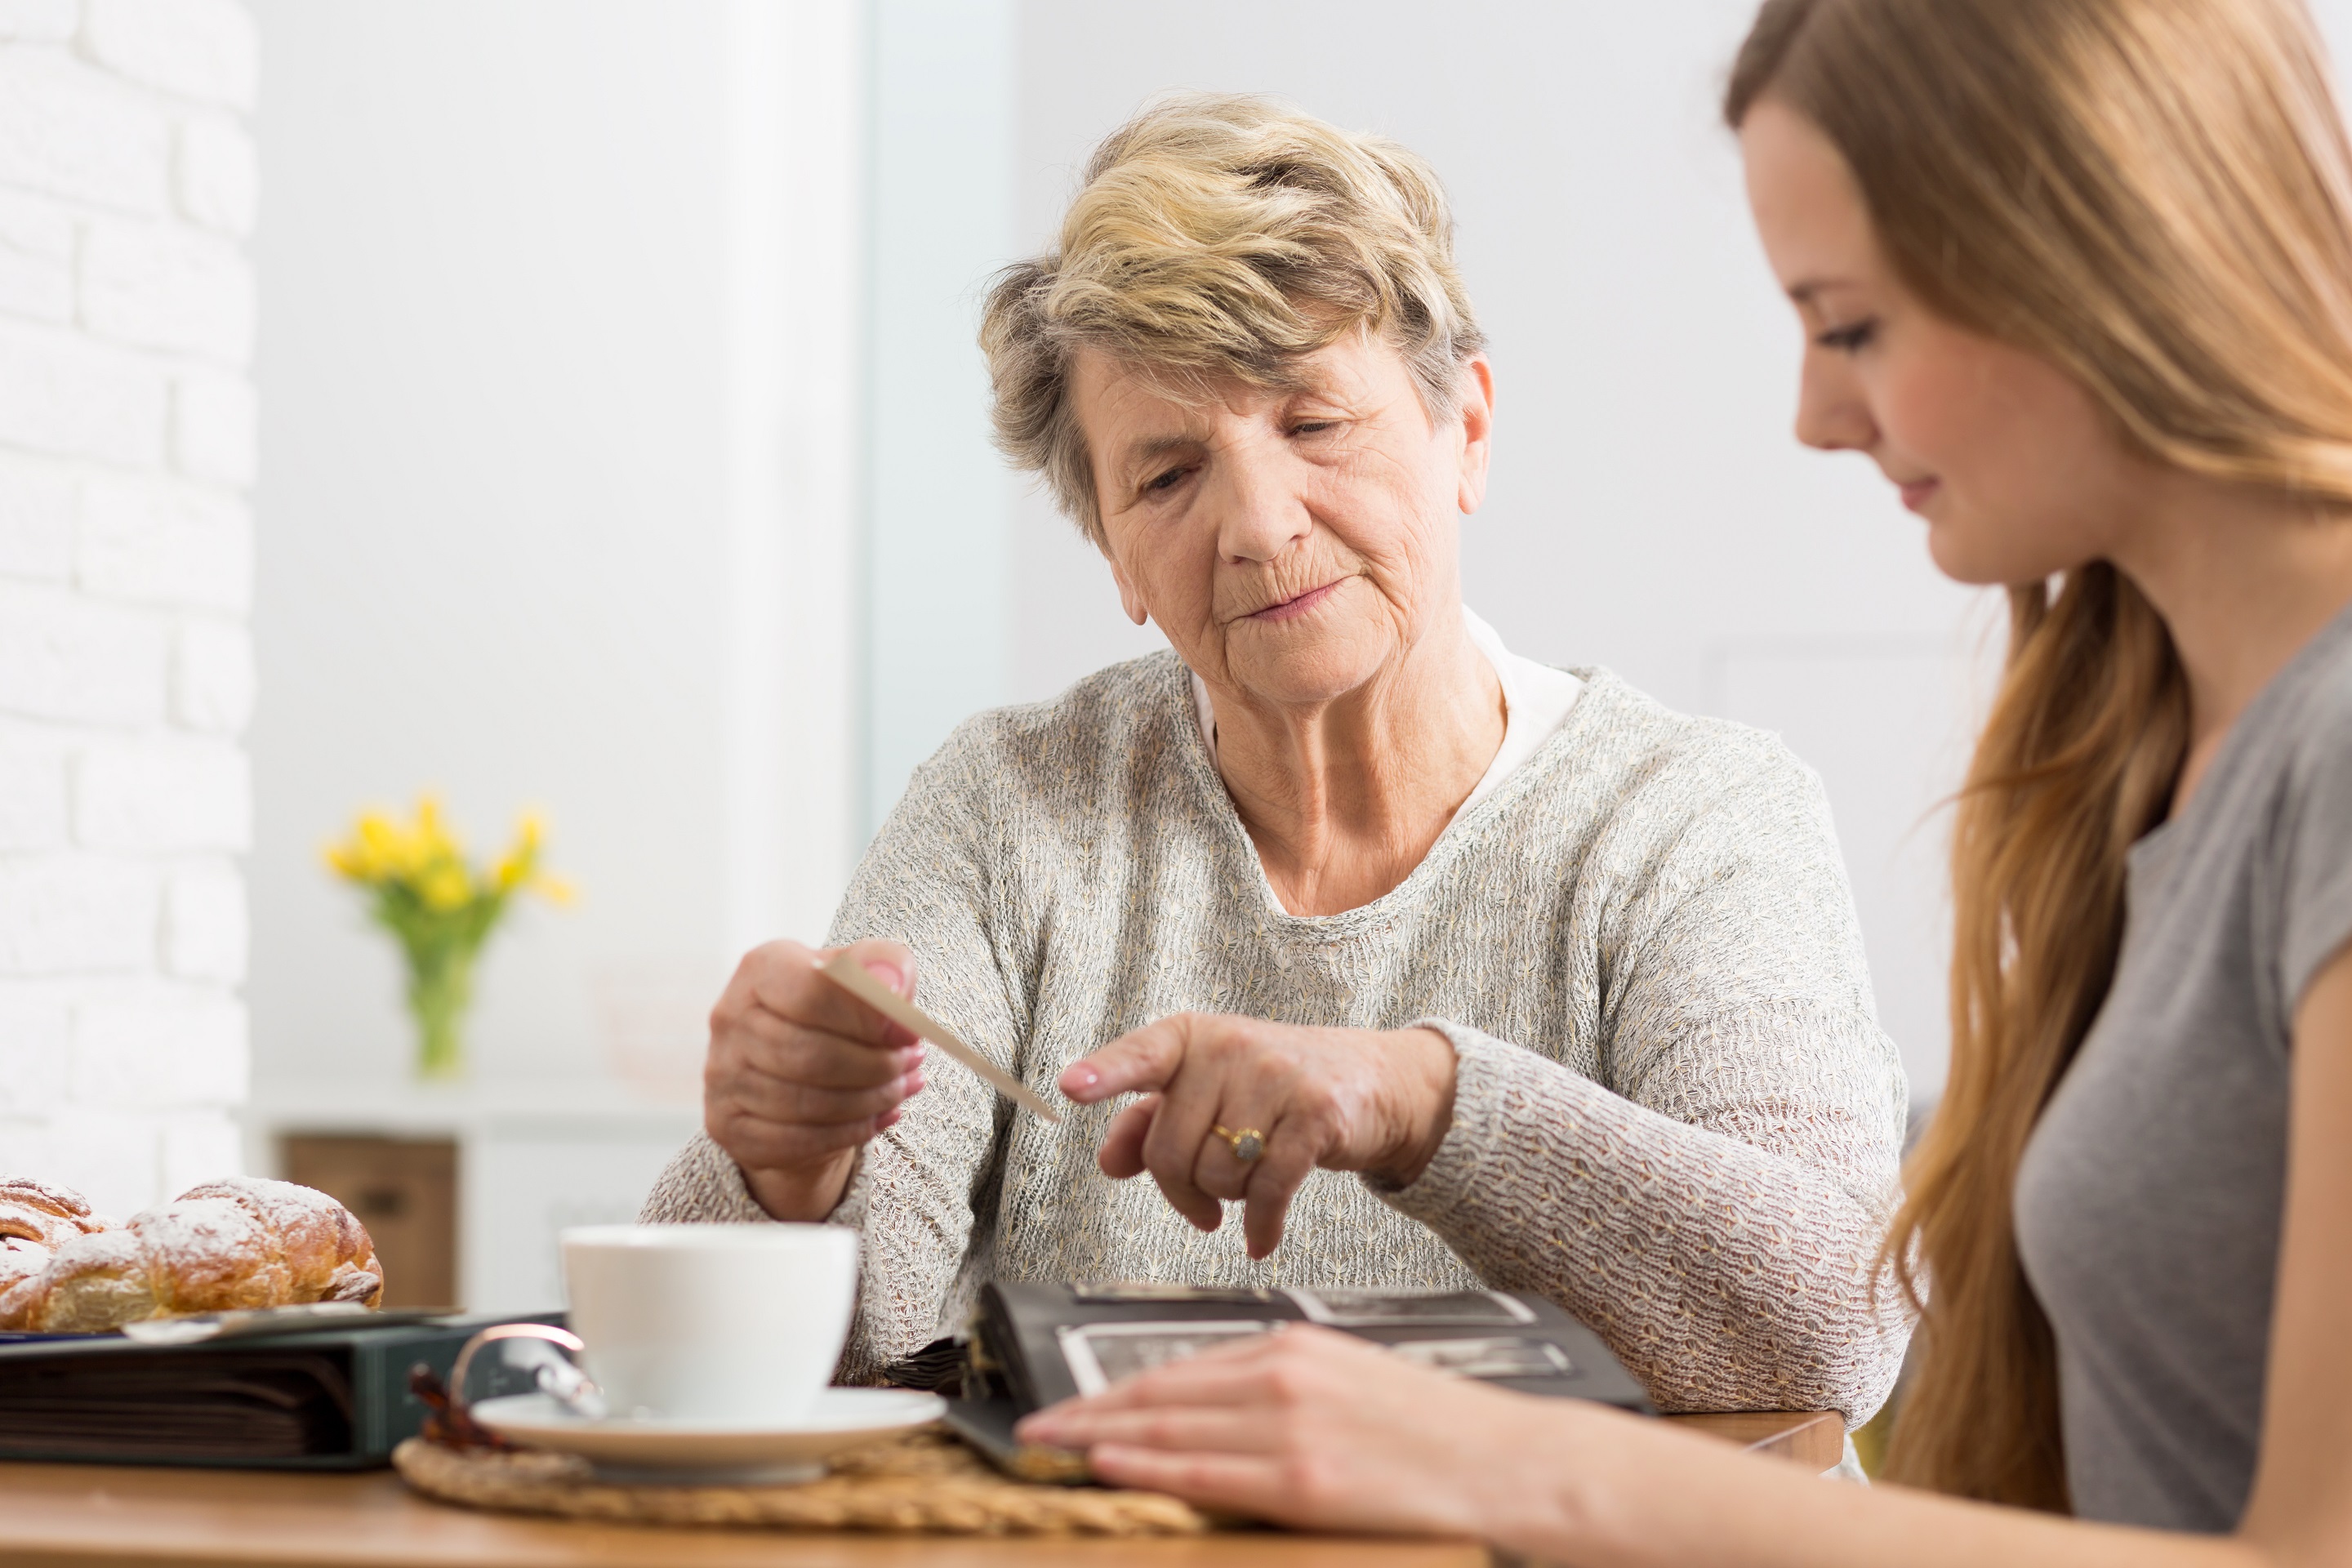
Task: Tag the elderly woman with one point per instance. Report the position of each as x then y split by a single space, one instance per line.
1450 967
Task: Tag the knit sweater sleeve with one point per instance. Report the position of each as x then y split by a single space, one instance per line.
933 881
1713 1206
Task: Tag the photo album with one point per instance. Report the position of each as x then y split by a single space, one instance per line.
1033 1345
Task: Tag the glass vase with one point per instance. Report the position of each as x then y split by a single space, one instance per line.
440 988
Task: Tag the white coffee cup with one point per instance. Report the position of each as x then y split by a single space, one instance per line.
731 1324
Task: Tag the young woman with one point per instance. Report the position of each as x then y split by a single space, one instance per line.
2078 275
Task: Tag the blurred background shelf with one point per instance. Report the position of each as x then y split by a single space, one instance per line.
466 1188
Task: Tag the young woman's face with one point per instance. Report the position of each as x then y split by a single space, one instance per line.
2017 471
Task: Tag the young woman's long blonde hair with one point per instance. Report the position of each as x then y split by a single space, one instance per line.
2156 196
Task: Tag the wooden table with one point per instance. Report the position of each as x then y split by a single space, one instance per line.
132 1517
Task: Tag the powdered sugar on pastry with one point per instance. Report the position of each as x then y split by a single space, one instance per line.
57 1200
207 1255
18 1258
94 1282
52 1216
221 1247
309 1226
329 1254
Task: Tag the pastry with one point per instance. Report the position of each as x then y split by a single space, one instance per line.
36 1219
219 1246
39 1210
327 1253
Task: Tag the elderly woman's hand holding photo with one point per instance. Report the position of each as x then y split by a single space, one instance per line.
801 1074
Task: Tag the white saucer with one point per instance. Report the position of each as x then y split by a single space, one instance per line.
654 1450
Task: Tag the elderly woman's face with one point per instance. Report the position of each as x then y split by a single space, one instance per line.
1289 543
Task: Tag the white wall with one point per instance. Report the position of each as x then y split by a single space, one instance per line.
560 388
938 591
127 184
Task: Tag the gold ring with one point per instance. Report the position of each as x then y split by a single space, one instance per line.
1248 1143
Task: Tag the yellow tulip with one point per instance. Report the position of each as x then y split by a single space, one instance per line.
514 868
381 849
428 858
446 886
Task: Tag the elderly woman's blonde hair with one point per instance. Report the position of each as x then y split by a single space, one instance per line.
1218 238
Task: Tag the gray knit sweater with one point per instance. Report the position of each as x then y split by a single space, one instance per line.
1675 1113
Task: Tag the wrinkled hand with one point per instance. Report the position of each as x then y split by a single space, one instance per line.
1347 1100
801 1073
1315 1430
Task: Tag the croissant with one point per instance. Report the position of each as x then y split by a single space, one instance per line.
219 1246
36 1219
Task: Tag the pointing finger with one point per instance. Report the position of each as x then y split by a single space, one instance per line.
1147 1058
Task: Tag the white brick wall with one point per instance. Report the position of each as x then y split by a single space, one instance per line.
127 187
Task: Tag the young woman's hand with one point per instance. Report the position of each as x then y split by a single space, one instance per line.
1346 1100
1310 1427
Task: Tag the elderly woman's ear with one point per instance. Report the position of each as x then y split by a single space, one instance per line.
1477 426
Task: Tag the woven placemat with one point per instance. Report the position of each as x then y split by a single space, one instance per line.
923 1481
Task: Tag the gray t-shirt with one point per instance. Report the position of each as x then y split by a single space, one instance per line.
2149 1197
